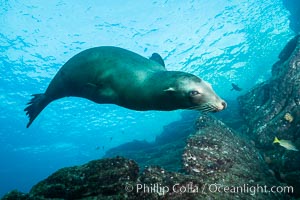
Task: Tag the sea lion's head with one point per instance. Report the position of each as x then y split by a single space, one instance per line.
191 92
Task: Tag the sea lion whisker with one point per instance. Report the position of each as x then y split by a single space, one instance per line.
212 106
193 107
207 109
204 111
197 107
203 107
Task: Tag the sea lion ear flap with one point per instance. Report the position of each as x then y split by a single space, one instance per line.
157 58
170 89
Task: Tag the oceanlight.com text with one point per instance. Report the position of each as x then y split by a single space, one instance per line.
246 188
207 188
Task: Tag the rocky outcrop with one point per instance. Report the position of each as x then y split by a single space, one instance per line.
100 178
272 109
264 108
167 148
217 164
216 154
16 195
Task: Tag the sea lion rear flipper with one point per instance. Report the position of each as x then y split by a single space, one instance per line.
99 93
157 58
36 105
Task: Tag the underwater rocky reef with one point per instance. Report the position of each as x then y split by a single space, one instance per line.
202 158
272 109
214 157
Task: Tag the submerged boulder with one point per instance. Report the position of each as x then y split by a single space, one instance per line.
272 109
229 165
16 195
104 179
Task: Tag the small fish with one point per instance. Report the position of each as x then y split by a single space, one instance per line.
235 87
97 148
286 144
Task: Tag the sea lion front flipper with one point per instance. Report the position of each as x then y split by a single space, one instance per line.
157 58
91 85
99 93
91 89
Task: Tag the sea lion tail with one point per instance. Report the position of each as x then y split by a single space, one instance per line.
36 105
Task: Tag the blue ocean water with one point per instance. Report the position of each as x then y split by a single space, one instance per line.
220 41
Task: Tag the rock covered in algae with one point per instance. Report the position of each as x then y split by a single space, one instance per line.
272 109
264 108
214 158
217 155
16 195
105 179
170 185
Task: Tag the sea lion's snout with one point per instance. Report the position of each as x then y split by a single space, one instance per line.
224 104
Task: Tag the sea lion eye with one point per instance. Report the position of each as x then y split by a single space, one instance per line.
194 93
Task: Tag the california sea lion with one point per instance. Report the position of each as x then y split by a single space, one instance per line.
114 75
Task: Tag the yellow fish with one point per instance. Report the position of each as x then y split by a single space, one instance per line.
286 144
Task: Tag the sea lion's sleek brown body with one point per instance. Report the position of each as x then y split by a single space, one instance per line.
112 75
